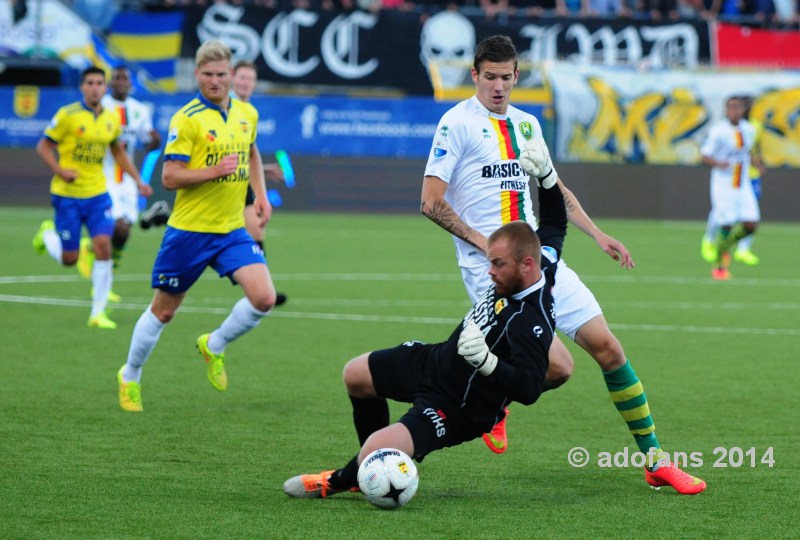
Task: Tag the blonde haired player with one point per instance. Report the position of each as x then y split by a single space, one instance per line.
210 159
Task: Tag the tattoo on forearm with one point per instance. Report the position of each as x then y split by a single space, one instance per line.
569 204
443 215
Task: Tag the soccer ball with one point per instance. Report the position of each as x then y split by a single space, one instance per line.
388 478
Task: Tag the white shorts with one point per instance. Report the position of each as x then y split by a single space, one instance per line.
730 205
575 303
124 200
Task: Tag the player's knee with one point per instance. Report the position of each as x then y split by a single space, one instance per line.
559 369
164 315
357 377
750 227
264 301
607 352
69 258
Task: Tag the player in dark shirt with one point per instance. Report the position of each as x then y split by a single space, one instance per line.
460 387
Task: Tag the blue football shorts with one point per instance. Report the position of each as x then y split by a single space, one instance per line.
184 256
71 213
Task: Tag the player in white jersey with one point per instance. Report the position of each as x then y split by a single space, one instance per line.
137 127
734 207
474 182
136 120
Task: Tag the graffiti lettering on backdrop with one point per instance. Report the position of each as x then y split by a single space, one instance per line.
779 111
447 44
651 127
316 47
606 42
613 115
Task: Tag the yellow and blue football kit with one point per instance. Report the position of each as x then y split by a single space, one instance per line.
207 223
81 138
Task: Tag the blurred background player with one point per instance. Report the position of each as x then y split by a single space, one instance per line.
734 208
73 147
743 253
243 86
136 122
210 158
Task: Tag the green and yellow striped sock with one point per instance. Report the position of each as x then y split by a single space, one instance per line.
116 256
629 399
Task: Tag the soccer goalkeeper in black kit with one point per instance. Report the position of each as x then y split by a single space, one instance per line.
459 388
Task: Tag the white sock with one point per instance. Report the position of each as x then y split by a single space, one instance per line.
243 318
711 229
52 242
102 276
145 336
746 243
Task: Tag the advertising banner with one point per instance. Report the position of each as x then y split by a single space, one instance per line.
622 116
326 126
395 49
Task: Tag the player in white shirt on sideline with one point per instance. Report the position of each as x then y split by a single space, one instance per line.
484 155
136 120
734 207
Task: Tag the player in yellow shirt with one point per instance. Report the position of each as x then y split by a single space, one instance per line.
73 147
210 159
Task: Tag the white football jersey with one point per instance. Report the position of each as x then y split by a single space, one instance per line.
136 120
726 142
477 153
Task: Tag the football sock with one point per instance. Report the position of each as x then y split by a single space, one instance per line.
52 242
102 276
746 243
711 228
116 256
145 336
243 318
629 399
117 247
346 477
369 415
728 236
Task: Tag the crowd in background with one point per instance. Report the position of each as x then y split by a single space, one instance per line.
771 13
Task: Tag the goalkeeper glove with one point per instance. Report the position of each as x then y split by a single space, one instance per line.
535 160
472 347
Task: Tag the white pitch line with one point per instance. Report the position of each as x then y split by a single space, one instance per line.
284 314
380 277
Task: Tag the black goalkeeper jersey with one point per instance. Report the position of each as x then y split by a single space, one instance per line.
519 331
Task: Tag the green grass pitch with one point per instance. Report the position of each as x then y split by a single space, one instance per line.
718 361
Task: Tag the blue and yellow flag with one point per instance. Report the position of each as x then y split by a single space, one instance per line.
151 41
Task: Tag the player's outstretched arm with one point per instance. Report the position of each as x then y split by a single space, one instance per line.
578 217
434 207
